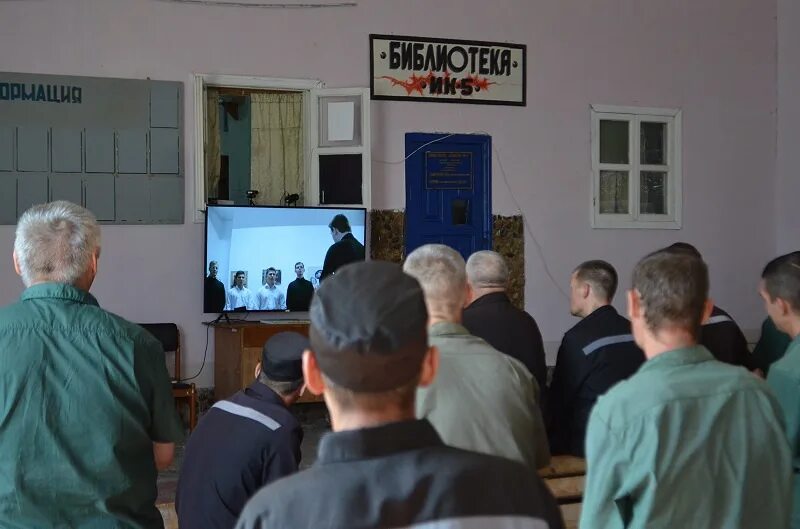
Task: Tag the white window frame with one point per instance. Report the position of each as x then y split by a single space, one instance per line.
312 89
364 149
672 220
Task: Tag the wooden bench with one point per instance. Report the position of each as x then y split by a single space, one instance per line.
566 478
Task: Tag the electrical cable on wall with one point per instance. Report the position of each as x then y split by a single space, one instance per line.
525 222
203 364
263 5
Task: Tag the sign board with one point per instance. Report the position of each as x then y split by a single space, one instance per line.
450 71
448 170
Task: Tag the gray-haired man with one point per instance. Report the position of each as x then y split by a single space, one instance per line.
482 399
491 315
86 409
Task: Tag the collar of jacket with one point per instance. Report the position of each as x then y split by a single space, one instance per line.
58 291
380 441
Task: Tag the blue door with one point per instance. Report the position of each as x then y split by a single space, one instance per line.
449 191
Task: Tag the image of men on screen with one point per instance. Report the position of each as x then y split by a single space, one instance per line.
300 291
345 248
214 294
270 297
239 297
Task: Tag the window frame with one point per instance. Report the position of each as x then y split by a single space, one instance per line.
363 148
312 89
673 167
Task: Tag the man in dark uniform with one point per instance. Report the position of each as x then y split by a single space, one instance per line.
300 291
595 354
214 294
345 248
381 467
244 442
720 334
771 346
491 316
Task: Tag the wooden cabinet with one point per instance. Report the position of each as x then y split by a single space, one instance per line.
238 349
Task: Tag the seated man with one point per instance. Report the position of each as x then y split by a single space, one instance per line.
482 399
687 441
87 416
269 296
380 467
244 442
780 289
491 316
300 291
239 297
720 334
595 354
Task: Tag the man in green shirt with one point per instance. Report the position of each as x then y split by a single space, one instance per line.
780 288
86 408
482 400
687 441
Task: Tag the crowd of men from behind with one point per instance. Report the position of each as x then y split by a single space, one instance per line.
438 399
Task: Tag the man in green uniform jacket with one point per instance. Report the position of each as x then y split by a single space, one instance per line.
780 288
86 409
687 441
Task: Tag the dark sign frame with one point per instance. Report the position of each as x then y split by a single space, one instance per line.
522 47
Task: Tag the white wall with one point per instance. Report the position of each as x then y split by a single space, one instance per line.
715 59
788 170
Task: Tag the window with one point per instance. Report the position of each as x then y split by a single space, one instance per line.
636 168
285 138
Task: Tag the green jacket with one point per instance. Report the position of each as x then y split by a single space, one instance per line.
687 442
784 379
483 400
83 395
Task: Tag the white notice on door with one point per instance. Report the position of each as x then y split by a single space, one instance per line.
341 118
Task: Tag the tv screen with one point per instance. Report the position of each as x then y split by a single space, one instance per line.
272 258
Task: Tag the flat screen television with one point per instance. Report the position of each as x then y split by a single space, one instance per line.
272 258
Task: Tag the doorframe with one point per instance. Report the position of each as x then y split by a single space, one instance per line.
200 81
429 138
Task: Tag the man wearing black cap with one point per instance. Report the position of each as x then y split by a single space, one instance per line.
244 442
381 467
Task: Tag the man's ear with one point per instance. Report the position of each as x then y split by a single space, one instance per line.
586 290
258 370
16 263
430 366
708 308
634 304
783 306
312 374
468 296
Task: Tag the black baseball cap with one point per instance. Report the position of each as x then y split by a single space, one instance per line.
369 327
281 357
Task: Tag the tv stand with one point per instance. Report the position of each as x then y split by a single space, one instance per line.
237 351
